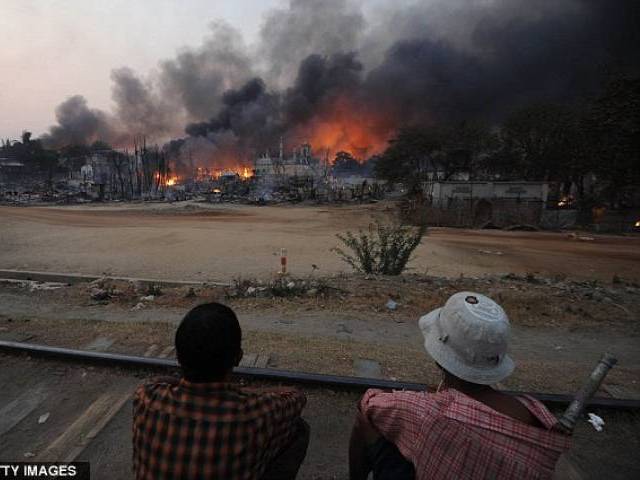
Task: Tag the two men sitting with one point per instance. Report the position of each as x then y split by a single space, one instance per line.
206 426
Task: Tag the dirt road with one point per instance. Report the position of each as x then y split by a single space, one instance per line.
221 242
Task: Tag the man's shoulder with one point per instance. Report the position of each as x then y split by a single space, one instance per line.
151 389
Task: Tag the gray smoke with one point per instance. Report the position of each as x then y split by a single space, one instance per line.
485 59
417 64
78 124
139 109
187 88
197 78
304 28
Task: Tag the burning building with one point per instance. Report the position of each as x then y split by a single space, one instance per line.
300 163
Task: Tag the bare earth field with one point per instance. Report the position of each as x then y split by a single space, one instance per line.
197 241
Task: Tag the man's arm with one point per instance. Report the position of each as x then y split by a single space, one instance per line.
363 435
396 416
285 408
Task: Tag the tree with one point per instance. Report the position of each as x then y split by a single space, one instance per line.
408 156
345 162
434 153
33 154
565 143
614 130
463 143
99 145
536 137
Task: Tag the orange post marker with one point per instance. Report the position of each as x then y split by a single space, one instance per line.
283 261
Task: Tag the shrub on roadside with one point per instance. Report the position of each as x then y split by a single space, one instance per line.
385 249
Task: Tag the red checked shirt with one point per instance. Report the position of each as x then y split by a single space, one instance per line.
449 435
209 430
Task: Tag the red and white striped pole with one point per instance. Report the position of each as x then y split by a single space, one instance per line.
283 261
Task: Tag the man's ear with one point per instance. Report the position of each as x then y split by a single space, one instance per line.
239 357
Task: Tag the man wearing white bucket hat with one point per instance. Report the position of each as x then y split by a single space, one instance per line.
465 429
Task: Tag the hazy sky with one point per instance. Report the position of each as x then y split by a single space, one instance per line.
52 49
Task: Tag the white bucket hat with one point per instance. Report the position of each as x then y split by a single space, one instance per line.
468 338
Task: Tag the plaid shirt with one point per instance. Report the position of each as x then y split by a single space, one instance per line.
449 435
209 430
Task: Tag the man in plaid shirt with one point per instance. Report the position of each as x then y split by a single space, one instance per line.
205 427
466 429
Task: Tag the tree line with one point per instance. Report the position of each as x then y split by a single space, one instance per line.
591 144
119 174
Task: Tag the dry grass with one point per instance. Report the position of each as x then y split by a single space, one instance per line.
317 355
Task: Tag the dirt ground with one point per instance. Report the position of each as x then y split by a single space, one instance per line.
199 241
559 328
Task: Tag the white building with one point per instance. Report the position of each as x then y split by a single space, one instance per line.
443 192
299 164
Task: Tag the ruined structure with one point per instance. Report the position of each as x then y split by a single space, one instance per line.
300 163
481 204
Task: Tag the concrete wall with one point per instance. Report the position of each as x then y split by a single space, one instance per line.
442 192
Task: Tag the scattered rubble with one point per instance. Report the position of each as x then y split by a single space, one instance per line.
34 285
99 294
280 286
153 291
531 299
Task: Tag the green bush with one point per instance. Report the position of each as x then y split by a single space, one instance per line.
385 249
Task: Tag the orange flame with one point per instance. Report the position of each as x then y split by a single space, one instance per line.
344 127
243 172
167 181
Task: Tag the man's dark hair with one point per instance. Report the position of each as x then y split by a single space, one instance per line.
208 342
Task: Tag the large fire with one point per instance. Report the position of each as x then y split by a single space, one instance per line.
167 180
245 173
343 127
